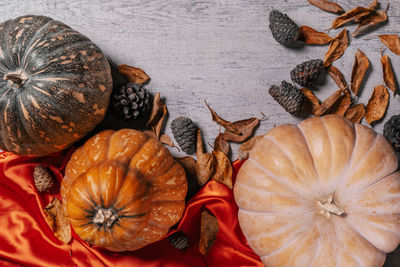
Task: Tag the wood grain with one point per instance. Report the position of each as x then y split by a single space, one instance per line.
217 50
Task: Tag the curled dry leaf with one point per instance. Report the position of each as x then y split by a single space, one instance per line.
221 144
313 103
189 164
377 104
247 146
342 104
224 123
208 232
223 169
308 35
356 14
337 77
370 22
246 129
134 75
58 220
157 115
360 67
388 74
336 48
329 103
166 140
206 162
327 6
355 113
392 42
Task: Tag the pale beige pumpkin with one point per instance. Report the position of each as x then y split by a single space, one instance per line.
322 193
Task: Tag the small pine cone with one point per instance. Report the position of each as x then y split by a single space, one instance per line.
306 72
132 100
179 240
288 96
43 179
391 131
283 29
184 131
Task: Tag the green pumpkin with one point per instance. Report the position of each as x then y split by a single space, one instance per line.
55 85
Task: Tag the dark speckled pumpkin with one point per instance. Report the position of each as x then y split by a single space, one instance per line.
55 85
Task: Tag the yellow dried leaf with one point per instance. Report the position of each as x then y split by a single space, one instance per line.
58 220
377 104
223 169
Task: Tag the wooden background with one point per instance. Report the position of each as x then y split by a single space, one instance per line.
218 50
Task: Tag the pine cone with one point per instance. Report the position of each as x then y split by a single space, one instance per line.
132 100
179 240
288 96
306 72
184 131
283 29
43 179
391 131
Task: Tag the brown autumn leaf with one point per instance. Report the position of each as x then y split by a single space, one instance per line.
327 6
360 68
392 42
313 102
337 77
355 113
342 104
356 14
388 74
134 75
247 146
223 169
224 123
246 129
377 104
221 144
208 232
157 115
189 165
164 139
370 22
329 103
308 35
206 162
58 220
374 4
337 48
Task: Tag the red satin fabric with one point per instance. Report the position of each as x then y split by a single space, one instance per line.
26 239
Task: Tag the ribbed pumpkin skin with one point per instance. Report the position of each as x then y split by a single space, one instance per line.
67 90
289 174
131 174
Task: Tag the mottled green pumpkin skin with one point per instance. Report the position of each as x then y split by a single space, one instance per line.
65 87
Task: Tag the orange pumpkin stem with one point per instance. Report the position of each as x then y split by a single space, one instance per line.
326 207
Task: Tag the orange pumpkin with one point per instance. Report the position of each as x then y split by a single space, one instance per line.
123 190
321 193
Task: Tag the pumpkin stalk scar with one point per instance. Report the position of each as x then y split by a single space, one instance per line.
18 78
326 207
105 217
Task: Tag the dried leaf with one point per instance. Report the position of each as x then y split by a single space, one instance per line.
221 144
354 15
370 22
189 164
360 67
377 104
312 101
134 75
157 115
310 36
355 113
205 167
208 232
199 143
388 74
327 6
329 103
246 129
336 48
166 140
342 104
58 220
337 77
374 4
247 146
392 42
224 123
223 169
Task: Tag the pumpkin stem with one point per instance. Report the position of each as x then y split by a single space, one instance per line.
105 217
326 207
18 77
